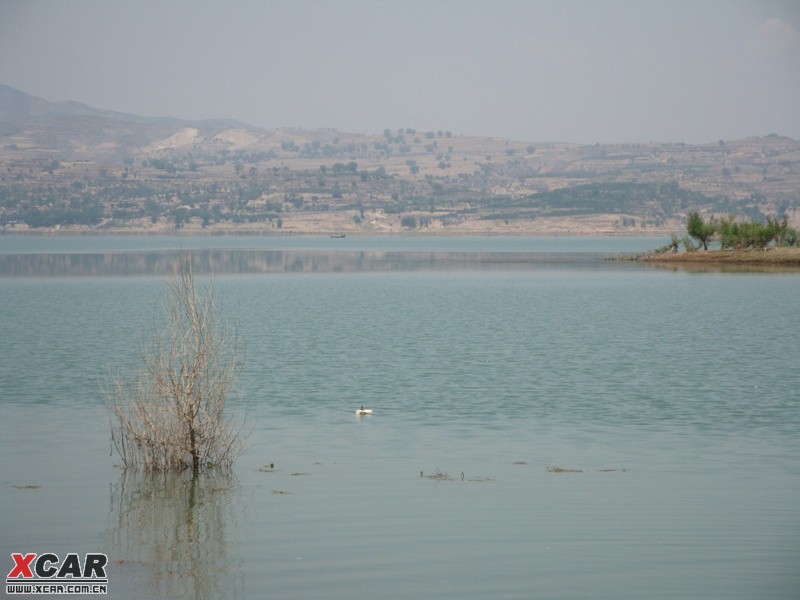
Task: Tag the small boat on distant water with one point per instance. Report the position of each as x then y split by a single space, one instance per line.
337 235
363 411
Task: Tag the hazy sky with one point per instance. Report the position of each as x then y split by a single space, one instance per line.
592 71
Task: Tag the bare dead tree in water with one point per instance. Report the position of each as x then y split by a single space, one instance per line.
171 415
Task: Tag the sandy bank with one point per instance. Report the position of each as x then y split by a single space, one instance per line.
772 256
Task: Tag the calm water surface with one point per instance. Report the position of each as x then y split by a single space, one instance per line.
669 400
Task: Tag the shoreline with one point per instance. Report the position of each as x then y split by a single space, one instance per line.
373 223
289 234
771 256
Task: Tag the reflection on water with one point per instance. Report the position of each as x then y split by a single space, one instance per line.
236 261
233 261
169 532
721 267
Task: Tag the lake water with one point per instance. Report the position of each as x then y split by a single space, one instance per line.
608 429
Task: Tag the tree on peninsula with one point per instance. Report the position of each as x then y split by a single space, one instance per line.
699 229
739 235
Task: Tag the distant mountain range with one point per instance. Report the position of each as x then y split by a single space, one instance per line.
19 109
68 127
68 165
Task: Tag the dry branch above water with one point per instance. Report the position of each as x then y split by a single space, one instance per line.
171 413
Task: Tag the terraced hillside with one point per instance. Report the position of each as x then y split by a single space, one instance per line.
69 166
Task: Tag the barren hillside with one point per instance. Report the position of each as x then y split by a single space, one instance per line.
67 166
